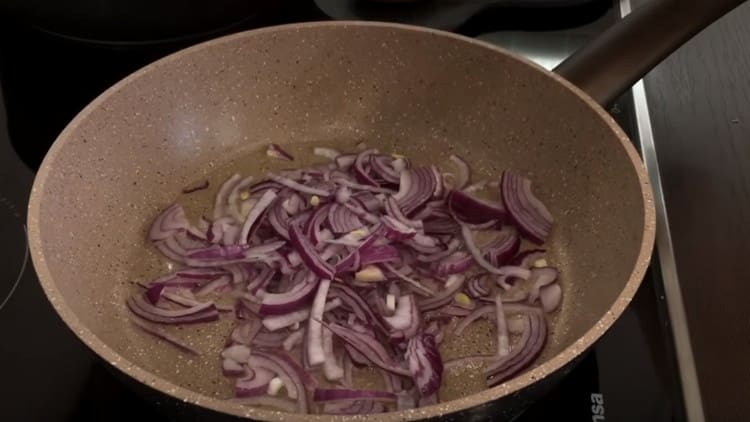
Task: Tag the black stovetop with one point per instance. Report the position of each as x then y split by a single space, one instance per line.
49 375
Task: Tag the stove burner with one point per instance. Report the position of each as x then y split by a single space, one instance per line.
12 233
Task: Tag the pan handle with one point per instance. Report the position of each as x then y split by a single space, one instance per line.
624 53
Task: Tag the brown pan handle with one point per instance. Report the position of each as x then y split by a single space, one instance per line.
628 50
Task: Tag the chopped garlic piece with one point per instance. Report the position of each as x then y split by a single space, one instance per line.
462 299
453 279
397 156
274 386
315 200
244 195
390 302
370 273
540 263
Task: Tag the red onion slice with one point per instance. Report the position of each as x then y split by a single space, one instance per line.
550 296
315 352
344 161
342 220
277 322
291 184
359 167
528 348
290 301
163 335
252 217
253 385
308 254
530 216
470 209
203 313
463 174
503 340
417 186
425 363
169 221
195 187
272 402
220 203
368 346
275 151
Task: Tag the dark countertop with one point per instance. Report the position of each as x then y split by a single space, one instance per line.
700 108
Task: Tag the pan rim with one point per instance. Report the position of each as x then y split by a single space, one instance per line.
149 379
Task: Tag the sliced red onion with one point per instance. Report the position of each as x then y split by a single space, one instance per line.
356 304
503 340
277 322
293 300
232 369
252 217
382 165
550 296
154 292
456 263
425 363
441 225
396 230
331 367
237 352
254 384
220 204
275 151
234 194
170 220
477 313
369 346
344 161
503 248
291 184
470 209
163 335
419 287
479 258
368 201
439 189
527 212
342 220
374 254
444 297
315 352
312 227
260 280
463 173
329 395
394 211
202 313
416 187
213 286
406 320
541 277
526 350
343 194
225 255
245 332
359 167
293 340
476 286
195 187
308 254
450 248
361 187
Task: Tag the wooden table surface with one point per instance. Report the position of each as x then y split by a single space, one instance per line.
700 108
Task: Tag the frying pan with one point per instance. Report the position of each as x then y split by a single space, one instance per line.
202 112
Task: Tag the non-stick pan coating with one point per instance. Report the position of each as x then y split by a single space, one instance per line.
203 111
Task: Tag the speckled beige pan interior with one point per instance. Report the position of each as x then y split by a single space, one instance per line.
203 111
